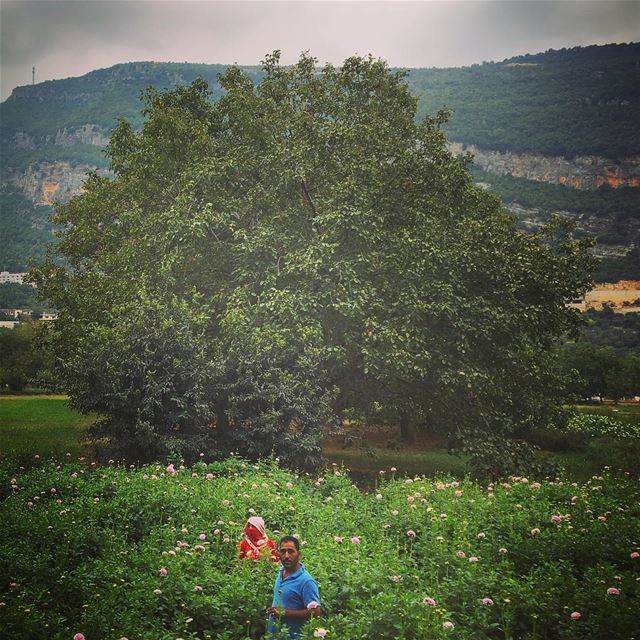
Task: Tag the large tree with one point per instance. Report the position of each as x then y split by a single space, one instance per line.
302 248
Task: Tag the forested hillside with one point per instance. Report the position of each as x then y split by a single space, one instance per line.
25 230
580 101
567 102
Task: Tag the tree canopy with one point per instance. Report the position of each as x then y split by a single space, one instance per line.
298 251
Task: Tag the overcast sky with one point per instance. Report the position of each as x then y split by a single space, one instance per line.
63 38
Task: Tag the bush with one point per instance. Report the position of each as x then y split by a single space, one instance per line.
512 559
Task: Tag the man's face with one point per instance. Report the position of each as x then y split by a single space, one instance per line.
289 555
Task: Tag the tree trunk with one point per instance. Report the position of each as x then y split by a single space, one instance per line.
407 432
222 420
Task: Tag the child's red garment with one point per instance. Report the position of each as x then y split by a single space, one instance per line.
256 543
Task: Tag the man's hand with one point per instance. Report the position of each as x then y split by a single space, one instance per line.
278 612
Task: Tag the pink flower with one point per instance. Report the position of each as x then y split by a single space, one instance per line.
157 592
487 601
202 536
395 512
634 555
53 493
447 625
396 578
411 533
535 531
502 550
198 547
170 469
461 554
209 476
78 636
458 493
320 633
535 485
163 572
197 588
612 591
602 519
576 615
338 539
430 602
313 605
556 519
393 469
473 559
355 540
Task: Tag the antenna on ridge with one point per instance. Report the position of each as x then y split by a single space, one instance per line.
33 75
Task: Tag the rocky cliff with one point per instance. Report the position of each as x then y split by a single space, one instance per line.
45 181
51 182
583 172
91 134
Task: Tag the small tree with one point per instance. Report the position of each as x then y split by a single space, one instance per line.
301 248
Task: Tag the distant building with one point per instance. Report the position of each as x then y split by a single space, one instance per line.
8 324
16 313
14 278
620 297
48 317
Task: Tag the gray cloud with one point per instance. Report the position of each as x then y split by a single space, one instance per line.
71 37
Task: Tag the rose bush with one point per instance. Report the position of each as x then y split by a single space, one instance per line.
150 554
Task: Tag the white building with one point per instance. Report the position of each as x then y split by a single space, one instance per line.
15 278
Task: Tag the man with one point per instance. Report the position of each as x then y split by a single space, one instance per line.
295 594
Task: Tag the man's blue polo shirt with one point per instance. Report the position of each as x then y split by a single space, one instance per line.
296 591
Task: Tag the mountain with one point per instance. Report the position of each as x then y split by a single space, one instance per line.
555 131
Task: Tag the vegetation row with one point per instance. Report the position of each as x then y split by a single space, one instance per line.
151 553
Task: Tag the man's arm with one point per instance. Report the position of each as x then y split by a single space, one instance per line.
295 614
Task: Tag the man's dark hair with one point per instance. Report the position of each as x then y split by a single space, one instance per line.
290 539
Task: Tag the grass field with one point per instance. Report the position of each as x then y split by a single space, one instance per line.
45 425
40 424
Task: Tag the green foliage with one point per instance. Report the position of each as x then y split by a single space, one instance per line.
600 371
569 102
618 205
620 208
578 101
20 358
97 537
25 230
620 331
20 296
607 426
612 269
299 250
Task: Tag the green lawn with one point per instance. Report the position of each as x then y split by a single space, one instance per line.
47 426
613 410
40 424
